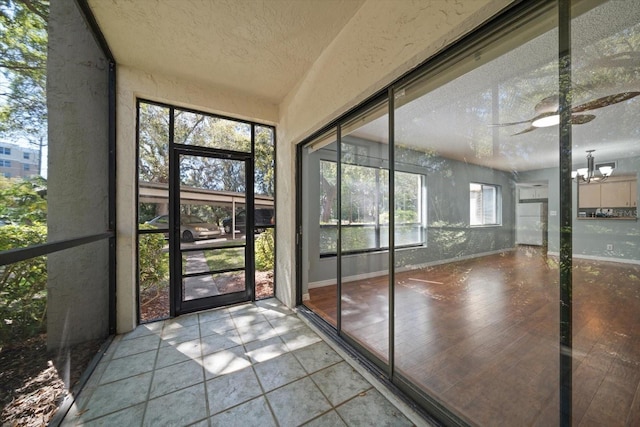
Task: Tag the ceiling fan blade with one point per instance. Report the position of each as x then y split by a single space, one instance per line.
529 129
493 125
580 119
604 101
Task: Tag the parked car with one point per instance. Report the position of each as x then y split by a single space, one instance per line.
263 218
191 227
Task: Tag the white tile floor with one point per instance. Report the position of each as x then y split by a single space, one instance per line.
247 365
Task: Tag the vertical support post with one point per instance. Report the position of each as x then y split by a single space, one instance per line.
112 196
566 213
175 261
339 242
392 232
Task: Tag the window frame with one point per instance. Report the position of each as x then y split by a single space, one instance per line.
421 214
497 205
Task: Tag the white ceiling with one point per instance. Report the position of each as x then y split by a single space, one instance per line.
265 47
258 47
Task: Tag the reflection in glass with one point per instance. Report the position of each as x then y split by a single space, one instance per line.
319 191
476 315
363 213
606 247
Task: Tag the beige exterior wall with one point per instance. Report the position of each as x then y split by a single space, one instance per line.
131 85
384 40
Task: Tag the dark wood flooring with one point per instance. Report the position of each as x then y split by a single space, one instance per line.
481 336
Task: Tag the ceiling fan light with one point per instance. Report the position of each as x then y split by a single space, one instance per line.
606 170
546 120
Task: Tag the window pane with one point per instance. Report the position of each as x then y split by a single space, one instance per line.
476 316
153 211
264 215
213 132
364 211
606 236
319 226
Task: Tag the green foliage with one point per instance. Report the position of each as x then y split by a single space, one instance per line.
225 258
153 261
23 286
264 249
23 57
23 201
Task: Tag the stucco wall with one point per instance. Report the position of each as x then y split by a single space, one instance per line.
131 85
381 42
77 96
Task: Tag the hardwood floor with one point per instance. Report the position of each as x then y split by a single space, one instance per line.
482 336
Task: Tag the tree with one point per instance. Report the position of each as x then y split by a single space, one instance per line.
23 64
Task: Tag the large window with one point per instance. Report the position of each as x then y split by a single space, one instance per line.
212 206
365 208
484 204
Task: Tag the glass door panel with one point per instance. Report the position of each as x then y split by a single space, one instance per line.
320 227
213 252
364 231
476 312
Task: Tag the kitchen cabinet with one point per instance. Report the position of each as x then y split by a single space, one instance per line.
614 193
533 193
589 195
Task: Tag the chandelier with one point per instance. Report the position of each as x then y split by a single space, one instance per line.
590 173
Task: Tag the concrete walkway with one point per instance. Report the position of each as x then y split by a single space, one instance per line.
198 286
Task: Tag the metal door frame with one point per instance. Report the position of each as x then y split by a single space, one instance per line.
177 305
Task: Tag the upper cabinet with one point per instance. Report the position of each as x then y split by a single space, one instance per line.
619 193
533 193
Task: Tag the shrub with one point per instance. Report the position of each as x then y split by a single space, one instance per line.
23 286
265 251
152 259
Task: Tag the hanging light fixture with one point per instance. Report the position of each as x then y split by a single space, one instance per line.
590 173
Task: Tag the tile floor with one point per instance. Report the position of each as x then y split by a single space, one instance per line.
247 365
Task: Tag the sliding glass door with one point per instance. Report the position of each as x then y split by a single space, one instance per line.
478 235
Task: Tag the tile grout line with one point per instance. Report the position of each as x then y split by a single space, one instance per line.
255 373
204 374
153 373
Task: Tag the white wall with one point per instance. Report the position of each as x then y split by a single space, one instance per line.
384 39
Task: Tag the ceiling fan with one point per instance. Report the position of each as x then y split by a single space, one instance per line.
546 111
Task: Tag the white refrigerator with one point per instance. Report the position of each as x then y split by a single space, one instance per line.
531 219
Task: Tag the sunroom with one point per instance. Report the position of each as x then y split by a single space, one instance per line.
447 191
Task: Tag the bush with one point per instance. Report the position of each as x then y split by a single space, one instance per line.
23 286
265 251
153 261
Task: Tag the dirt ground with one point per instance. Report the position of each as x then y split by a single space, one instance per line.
32 385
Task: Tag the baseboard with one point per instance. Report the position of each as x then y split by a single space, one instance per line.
449 260
363 276
600 258
348 279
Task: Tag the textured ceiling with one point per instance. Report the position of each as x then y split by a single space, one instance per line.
259 47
